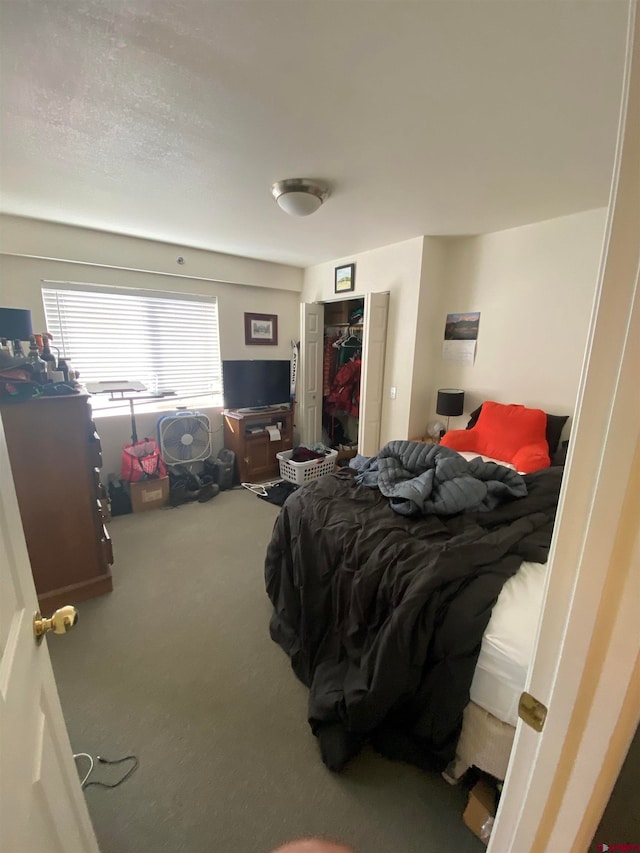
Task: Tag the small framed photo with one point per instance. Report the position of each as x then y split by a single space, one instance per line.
345 278
261 329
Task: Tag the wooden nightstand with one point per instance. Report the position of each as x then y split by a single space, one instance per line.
425 439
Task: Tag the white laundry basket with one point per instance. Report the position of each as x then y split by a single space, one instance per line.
303 472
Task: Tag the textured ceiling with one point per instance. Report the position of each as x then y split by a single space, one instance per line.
171 120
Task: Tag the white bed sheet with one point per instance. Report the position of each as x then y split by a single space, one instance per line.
466 454
507 645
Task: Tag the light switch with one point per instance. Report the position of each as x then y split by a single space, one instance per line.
393 392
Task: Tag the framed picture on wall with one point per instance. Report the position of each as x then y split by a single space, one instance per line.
261 329
345 278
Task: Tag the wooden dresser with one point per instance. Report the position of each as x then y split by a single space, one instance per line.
55 457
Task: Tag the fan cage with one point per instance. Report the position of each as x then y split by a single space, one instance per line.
185 438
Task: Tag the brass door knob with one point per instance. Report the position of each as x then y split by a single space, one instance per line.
62 621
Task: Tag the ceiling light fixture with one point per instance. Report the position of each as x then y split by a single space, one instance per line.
299 196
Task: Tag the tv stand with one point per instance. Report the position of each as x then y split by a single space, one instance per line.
247 434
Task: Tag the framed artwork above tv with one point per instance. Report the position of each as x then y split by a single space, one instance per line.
261 329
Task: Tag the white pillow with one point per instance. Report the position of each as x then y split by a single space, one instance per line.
469 456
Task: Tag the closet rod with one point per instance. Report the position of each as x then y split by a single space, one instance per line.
342 325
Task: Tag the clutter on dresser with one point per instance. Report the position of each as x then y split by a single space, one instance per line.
17 382
39 372
15 327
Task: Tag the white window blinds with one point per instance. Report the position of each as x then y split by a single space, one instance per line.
170 343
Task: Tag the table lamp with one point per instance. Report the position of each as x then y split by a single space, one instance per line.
450 403
15 325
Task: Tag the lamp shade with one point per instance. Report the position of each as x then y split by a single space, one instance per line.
299 204
450 402
15 324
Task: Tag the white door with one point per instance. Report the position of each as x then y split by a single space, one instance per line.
309 395
376 307
586 667
41 804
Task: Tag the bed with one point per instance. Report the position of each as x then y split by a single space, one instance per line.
386 616
490 718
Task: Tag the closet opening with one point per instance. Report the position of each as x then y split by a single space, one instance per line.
341 376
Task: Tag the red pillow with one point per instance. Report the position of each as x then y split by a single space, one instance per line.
512 433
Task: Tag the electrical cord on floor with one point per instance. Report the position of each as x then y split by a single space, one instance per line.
91 765
101 760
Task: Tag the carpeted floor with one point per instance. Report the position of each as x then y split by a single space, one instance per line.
177 666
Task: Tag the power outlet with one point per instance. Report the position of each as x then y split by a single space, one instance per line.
393 392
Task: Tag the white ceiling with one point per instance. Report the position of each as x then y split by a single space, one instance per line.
171 119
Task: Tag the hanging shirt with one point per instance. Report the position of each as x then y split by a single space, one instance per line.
344 396
329 363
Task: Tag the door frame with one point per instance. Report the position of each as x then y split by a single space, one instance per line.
586 662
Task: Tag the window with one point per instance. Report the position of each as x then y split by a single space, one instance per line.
170 343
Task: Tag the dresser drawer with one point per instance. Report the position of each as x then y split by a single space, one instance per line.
106 547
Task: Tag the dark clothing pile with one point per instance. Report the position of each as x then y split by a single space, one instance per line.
305 454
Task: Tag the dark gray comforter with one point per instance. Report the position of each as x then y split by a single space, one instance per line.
426 478
382 614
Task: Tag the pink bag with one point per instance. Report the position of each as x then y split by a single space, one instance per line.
142 461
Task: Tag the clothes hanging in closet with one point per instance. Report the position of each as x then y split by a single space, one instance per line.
329 363
344 396
350 348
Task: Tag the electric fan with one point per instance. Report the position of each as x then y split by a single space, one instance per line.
184 438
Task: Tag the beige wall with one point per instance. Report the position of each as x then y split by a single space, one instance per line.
534 287
428 332
21 235
395 269
32 251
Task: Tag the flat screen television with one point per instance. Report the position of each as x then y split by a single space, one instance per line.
255 385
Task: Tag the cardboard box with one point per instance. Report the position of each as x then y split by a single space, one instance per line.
346 452
481 810
149 494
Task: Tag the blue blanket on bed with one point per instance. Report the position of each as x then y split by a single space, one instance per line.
421 478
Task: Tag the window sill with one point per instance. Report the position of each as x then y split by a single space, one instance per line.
118 408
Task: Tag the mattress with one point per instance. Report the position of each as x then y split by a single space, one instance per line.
507 645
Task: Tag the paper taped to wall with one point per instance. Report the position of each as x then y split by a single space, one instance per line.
459 352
